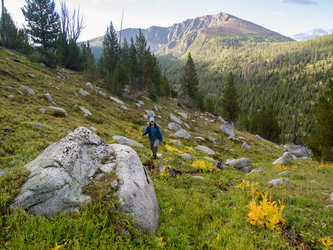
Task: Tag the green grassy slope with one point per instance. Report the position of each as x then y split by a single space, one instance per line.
195 213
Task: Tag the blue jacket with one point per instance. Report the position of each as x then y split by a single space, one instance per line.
159 133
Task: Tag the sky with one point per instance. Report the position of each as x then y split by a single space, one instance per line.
298 19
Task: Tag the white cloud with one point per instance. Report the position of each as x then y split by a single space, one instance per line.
303 2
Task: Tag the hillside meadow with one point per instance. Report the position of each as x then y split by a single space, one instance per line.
203 208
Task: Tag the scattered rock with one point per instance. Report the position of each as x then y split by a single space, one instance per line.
174 127
220 119
125 141
277 182
150 113
257 137
257 170
58 109
184 115
212 139
329 206
199 177
93 129
200 138
289 156
176 143
205 149
101 94
86 111
42 64
123 107
209 159
246 146
42 110
31 75
285 172
298 150
116 100
242 164
282 160
36 124
183 134
175 119
49 97
89 86
228 128
10 96
186 156
27 89
83 93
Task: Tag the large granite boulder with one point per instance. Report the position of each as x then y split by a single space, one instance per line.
65 167
242 164
228 128
298 150
175 119
183 134
174 127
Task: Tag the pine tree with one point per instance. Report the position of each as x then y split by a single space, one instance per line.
88 62
230 107
321 137
17 39
43 22
141 52
189 80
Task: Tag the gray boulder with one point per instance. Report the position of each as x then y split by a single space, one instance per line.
289 155
200 138
183 134
184 115
125 141
284 172
175 119
220 119
89 86
242 164
277 182
59 173
101 94
257 137
86 111
49 97
205 149
257 170
116 100
136 190
58 109
176 143
246 146
186 156
282 160
83 93
174 127
228 128
212 139
150 113
298 150
27 89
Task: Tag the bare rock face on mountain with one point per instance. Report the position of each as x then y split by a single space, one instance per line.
59 173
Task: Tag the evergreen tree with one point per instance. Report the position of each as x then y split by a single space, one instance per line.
141 54
230 107
108 59
88 62
17 39
152 91
43 22
133 64
209 105
321 137
189 80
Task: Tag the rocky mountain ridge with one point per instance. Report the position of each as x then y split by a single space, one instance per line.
219 24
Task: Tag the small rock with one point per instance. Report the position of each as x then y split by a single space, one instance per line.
205 149
277 182
83 93
285 172
3 172
89 86
86 111
114 184
150 113
176 143
199 177
123 107
99 176
101 94
212 139
27 89
10 96
42 110
200 138
246 146
186 156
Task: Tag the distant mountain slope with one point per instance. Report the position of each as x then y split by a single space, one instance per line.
219 24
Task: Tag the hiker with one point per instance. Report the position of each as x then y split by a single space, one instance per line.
154 134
